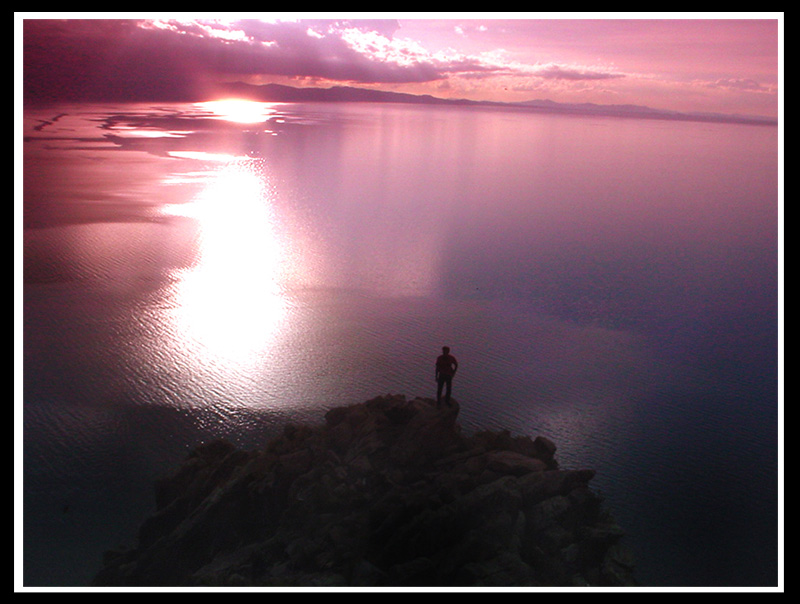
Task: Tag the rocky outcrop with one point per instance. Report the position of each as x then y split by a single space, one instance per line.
384 493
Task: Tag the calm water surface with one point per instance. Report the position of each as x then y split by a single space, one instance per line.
193 272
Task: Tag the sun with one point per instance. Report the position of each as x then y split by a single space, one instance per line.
241 111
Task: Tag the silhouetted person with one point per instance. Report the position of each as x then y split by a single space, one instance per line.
446 367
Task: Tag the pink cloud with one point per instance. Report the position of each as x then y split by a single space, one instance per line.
557 72
742 84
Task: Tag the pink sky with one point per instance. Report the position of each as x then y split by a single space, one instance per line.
725 64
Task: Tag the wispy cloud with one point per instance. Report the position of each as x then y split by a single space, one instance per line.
559 72
741 84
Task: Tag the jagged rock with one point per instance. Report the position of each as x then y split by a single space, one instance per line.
507 568
384 493
515 464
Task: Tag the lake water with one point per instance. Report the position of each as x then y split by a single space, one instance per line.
192 272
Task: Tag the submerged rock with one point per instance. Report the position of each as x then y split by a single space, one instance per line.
384 493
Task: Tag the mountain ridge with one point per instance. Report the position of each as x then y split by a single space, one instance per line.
282 93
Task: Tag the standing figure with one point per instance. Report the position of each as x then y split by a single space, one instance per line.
446 367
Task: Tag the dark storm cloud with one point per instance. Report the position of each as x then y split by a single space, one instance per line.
101 59
130 60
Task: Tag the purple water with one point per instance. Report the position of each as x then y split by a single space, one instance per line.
609 283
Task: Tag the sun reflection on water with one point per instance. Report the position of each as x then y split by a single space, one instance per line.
240 111
230 302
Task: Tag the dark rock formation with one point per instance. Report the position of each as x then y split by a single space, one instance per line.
385 493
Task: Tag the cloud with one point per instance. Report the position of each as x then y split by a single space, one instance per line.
740 84
333 50
557 72
107 59
465 30
179 59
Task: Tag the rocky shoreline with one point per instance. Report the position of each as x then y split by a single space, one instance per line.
386 493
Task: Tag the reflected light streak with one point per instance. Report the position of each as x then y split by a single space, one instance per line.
231 300
202 155
136 132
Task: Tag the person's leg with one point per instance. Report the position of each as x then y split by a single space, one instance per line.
449 383
439 385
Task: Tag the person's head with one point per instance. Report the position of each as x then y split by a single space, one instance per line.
445 350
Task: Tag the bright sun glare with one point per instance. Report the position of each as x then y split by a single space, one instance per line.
239 110
230 301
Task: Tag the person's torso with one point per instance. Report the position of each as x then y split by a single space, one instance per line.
445 364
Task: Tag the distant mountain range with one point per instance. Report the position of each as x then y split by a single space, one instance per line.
290 94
